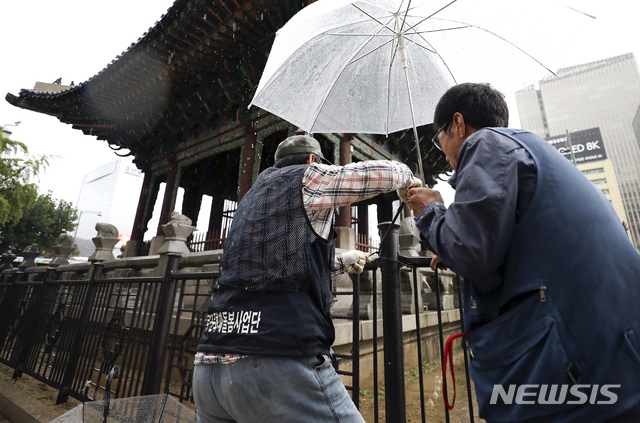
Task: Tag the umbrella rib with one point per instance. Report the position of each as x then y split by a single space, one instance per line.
467 25
275 73
354 34
353 60
431 15
390 40
373 18
509 42
347 63
434 51
429 48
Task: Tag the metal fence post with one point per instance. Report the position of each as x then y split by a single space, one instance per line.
395 401
32 318
78 338
441 335
465 352
164 312
355 342
9 305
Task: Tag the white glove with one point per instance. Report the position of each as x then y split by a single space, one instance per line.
355 260
403 192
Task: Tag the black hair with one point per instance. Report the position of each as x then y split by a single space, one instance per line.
295 159
481 105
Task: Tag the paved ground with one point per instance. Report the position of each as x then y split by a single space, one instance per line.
27 401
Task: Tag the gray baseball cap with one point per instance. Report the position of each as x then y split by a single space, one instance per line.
298 144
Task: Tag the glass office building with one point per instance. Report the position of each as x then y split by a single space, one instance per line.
604 94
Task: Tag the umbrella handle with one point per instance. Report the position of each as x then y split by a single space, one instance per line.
387 231
113 374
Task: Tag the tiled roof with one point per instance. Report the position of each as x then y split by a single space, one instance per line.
197 66
199 62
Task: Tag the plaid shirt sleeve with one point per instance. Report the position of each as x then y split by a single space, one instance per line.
326 187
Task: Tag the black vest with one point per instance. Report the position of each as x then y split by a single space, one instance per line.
274 290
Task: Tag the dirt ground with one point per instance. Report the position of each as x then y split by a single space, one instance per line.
434 404
34 396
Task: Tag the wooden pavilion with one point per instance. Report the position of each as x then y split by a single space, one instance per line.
177 99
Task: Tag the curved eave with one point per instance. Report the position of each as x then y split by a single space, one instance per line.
201 54
200 62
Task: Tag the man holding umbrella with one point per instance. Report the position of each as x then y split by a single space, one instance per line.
264 351
551 291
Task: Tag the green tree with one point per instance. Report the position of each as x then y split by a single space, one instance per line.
42 223
17 169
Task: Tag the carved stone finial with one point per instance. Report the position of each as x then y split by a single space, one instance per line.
106 230
105 241
29 255
6 261
62 251
176 233
407 239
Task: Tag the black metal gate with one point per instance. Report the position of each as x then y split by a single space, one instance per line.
70 334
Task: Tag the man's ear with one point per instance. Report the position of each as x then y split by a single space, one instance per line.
311 159
459 126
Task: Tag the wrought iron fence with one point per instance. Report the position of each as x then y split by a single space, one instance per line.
70 334
207 241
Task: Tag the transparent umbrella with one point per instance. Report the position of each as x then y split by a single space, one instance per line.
162 408
380 66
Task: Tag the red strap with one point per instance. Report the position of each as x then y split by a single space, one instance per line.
448 351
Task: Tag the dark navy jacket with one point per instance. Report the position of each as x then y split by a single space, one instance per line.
274 293
574 337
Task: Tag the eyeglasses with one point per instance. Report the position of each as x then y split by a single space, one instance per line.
435 139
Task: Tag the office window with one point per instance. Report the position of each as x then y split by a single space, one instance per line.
592 171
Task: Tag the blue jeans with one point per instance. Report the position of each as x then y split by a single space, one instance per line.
270 389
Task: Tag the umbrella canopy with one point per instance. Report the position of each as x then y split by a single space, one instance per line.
380 66
149 408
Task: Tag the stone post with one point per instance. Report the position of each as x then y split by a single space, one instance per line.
176 233
62 251
105 242
6 262
29 255
447 299
407 241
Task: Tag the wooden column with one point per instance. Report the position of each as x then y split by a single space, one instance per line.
248 161
137 232
192 203
343 218
385 209
363 218
215 218
168 194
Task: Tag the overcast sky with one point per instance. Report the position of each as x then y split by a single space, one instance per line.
43 40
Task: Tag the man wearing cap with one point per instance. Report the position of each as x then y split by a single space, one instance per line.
264 351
